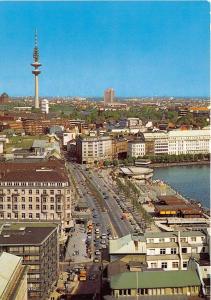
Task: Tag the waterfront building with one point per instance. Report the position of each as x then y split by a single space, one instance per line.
44 106
35 191
189 142
36 72
136 148
13 277
91 149
165 250
37 244
178 142
109 96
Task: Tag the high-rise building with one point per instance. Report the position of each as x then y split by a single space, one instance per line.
109 96
45 106
36 72
37 245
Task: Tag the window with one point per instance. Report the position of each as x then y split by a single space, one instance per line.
173 251
16 215
9 206
183 240
151 240
23 199
193 239
164 265
9 216
37 192
153 265
52 207
30 216
8 199
184 250
161 240
37 216
23 206
30 191
37 199
30 206
52 199
52 192
172 240
175 264
162 251
30 199
44 207
185 264
23 216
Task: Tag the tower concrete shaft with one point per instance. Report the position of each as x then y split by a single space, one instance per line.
36 72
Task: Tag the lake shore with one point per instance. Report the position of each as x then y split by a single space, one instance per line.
177 164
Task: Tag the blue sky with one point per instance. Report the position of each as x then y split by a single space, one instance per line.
138 48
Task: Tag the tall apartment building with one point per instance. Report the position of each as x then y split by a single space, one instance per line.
44 106
37 244
35 191
13 277
109 96
92 149
166 250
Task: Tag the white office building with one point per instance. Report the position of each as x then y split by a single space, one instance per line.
45 106
136 148
189 142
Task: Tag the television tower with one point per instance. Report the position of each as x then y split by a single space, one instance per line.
36 72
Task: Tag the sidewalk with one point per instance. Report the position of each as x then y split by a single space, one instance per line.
76 248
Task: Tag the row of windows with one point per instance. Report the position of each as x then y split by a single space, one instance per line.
30 206
12 183
182 240
26 216
30 199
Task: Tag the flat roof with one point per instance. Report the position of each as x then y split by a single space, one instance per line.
25 233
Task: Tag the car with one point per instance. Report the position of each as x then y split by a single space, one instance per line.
103 235
96 259
97 252
103 242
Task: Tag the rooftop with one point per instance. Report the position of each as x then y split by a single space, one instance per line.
155 279
50 171
25 233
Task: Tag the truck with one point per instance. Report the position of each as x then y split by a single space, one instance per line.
82 275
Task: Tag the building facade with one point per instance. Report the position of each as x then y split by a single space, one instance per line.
35 191
91 149
109 96
178 142
136 148
165 250
44 106
37 244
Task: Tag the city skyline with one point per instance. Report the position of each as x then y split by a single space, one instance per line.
88 47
